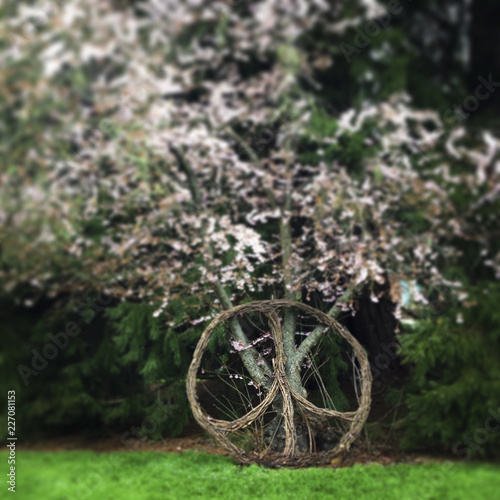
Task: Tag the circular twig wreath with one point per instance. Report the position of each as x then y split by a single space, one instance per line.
291 402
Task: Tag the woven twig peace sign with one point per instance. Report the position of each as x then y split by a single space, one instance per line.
291 400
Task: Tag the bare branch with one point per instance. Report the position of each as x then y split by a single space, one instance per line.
249 356
186 167
261 374
306 346
255 161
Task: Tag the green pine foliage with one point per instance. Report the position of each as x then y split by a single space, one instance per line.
124 368
158 360
456 377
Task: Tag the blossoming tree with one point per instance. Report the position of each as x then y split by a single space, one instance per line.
184 150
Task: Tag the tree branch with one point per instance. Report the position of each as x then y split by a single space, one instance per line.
306 346
186 167
248 356
255 161
289 320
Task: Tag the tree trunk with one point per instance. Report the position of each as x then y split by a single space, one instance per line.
374 326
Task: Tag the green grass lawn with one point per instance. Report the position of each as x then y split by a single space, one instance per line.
148 475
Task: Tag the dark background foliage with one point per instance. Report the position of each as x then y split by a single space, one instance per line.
125 361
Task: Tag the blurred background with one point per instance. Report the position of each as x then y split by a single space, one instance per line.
105 106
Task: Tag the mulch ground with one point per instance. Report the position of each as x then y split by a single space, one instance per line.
196 440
